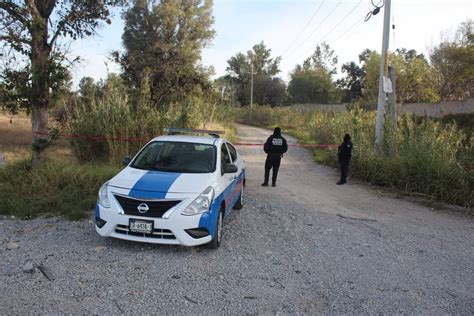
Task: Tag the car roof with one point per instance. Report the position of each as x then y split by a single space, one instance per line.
189 139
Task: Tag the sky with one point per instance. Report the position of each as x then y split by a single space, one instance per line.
293 28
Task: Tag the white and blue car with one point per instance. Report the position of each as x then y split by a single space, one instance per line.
177 190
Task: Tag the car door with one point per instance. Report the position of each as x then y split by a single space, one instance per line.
228 179
238 176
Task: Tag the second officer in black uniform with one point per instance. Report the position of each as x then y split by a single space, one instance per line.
274 147
344 153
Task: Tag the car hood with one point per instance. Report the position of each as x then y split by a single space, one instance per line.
158 184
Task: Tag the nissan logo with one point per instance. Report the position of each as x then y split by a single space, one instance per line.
143 208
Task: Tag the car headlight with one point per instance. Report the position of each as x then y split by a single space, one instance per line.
201 204
104 196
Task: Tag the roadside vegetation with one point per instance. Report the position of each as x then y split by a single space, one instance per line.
54 188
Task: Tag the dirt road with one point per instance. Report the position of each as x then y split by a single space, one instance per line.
306 246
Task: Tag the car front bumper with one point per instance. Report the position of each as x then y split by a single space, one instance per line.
171 231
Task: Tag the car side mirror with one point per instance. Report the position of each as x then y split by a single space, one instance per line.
126 161
230 168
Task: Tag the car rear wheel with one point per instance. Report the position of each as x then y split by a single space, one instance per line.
216 241
240 202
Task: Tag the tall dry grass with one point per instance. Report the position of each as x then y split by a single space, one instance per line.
115 118
15 136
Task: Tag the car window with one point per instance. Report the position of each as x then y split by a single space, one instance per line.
225 157
232 151
177 157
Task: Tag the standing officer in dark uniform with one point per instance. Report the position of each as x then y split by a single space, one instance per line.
274 147
344 152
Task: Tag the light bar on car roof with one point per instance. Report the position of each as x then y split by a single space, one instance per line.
172 131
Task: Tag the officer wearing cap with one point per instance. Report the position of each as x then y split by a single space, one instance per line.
274 147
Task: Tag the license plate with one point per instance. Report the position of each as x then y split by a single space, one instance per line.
141 226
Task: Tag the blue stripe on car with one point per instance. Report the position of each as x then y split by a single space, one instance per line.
209 219
153 185
97 211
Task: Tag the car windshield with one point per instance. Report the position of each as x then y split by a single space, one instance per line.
177 157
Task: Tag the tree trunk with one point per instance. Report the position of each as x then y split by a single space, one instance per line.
40 51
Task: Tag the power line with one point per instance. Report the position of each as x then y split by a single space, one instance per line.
304 28
314 30
340 22
347 30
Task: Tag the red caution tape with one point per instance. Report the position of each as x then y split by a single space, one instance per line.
104 138
291 145
96 138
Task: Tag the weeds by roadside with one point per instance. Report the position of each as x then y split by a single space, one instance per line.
54 188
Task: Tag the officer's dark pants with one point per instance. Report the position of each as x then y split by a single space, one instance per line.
344 168
272 162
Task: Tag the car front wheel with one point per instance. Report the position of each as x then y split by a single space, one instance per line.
216 241
240 202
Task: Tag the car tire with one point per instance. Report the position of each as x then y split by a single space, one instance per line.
240 202
216 241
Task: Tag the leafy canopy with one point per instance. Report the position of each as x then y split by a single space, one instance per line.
163 42
268 89
312 82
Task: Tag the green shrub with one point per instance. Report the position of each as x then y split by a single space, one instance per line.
63 189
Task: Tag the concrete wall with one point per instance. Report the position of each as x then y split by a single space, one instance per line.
429 109
322 107
438 109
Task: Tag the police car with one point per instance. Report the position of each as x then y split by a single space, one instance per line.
177 190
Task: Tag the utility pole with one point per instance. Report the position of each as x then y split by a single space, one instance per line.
383 73
222 92
251 92
392 100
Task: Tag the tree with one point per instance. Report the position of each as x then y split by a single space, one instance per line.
311 86
365 55
163 43
25 29
415 77
371 67
312 81
267 90
265 69
87 90
15 88
352 83
323 58
454 64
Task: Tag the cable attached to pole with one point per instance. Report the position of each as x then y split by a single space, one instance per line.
376 9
